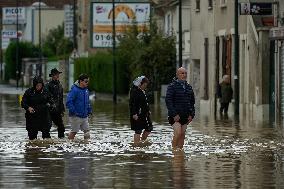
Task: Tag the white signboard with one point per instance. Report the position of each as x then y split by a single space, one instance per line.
68 21
10 15
125 14
7 35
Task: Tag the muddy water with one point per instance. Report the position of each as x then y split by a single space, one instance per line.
218 153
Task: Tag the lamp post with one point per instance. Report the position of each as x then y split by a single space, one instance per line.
39 36
180 33
236 65
113 52
74 26
17 43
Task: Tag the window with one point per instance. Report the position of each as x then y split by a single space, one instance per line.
168 24
210 4
197 8
223 3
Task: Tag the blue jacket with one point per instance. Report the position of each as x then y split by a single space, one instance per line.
180 99
78 101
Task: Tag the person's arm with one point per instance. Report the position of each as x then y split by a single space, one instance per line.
24 102
62 107
70 101
134 105
50 102
170 101
218 91
192 104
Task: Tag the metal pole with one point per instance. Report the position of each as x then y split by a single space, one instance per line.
236 65
113 51
180 33
17 43
39 36
1 50
74 26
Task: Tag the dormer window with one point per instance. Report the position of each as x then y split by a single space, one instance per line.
210 4
197 7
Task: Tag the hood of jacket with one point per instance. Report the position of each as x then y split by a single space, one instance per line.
37 80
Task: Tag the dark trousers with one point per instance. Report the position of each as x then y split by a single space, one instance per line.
58 121
225 107
33 134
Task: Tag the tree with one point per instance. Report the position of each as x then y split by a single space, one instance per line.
148 53
55 44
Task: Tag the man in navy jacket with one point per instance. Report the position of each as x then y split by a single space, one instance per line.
180 102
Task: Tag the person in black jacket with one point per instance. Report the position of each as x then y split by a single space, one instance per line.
139 110
56 90
180 102
37 102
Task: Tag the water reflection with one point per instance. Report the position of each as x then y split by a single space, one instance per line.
44 169
218 153
179 172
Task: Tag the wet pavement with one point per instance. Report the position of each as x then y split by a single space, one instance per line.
218 153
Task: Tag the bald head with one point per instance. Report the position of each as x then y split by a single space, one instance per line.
181 74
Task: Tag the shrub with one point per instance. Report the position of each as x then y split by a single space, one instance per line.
26 49
100 70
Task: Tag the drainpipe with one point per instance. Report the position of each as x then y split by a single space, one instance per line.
236 63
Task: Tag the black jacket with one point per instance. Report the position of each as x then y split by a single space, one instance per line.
41 102
138 105
180 99
56 91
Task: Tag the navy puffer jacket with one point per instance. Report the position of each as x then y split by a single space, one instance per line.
180 99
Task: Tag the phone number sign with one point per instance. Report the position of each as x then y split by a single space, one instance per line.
125 14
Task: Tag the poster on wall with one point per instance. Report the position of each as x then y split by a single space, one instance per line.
125 15
256 8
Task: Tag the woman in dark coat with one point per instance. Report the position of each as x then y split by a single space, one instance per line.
37 102
225 93
139 110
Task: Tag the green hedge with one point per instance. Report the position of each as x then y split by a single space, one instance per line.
26 50
100 70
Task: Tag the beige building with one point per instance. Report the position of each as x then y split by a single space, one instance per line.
213 50
209 33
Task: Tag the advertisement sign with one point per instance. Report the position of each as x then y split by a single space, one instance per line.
68 21
10 15
256 9
125 15
276 33
7 35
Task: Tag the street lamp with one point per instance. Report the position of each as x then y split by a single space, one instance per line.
236 65
113 52
74 26
39 35
180 33
17 43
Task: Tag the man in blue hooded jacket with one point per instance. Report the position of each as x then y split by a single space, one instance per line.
180 102
79 107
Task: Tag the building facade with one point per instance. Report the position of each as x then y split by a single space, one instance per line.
211 41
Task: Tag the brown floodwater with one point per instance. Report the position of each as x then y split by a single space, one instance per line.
218 153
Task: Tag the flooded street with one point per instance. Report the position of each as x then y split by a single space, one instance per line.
221 153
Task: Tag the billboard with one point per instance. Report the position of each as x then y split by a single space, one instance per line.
125 14
7 35
256 9
10 15
68 21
